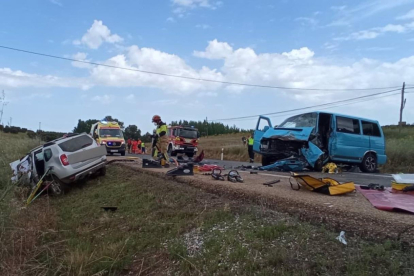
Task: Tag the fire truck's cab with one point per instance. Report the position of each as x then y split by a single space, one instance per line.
182 139
109 135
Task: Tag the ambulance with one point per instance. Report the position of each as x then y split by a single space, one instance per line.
109 134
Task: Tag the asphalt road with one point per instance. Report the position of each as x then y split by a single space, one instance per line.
356 177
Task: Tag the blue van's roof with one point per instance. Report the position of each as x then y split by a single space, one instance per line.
343 115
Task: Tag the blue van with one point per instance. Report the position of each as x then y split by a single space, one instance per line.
337 138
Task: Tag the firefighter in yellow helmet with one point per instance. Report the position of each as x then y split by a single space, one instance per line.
161 141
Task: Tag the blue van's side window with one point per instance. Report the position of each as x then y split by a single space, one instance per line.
370 129
347 125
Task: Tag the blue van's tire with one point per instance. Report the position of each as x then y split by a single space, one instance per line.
369 163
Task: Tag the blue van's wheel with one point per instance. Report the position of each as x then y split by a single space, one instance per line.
369 163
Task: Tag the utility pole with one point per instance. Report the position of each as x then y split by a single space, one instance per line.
3 104
403 101
40 135
206 126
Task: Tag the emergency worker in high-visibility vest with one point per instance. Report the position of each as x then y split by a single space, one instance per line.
161 140
250 142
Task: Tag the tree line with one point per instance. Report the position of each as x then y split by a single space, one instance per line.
211 128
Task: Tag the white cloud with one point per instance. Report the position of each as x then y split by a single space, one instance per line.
105 99
345 16
215 50
375 32
203 26
307 21
193 3
17 79
409 15
148 59
98 34
182 6
56 2
303 53
299 68
80 56
171 20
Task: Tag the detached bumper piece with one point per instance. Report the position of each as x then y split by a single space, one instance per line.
183 170
147 163
326 185
289 165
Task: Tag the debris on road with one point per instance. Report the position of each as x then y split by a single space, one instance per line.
269 184
326 185
234 176
182 170
389 199
148 163
330 168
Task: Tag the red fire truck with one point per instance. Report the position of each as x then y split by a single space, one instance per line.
182 139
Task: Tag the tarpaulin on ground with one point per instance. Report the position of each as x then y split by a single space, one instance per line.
390 200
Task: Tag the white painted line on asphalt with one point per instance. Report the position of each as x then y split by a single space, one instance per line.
278 175
368 175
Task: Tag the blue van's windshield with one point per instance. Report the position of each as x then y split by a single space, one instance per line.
302 120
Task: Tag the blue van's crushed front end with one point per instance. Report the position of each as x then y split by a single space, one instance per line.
282 143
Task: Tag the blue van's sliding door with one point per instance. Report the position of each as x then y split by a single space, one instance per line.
347 142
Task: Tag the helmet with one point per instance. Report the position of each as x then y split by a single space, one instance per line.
156 118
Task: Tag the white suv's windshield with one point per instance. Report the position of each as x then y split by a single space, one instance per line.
302 120
106 132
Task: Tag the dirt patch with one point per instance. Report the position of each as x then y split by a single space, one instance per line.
351 213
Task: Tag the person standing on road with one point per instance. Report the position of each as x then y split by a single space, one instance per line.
129 143
161 140
250 142
143 147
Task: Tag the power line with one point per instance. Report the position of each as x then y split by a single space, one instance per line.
192 78
333 106
319 105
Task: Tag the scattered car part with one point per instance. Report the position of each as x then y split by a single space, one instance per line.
234 176
270 183
326 185
183 170
253 172
109 208
216 174
148 163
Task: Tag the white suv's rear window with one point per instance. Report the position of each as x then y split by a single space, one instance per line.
76 143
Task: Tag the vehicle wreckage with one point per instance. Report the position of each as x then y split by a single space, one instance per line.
61 162
311 140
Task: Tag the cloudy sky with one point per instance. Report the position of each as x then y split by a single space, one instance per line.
290 43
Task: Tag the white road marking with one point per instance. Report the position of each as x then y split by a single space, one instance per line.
278 175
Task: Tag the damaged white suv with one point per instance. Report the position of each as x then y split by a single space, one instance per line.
70 159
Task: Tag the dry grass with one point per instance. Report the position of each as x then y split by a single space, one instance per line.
22 239
233 148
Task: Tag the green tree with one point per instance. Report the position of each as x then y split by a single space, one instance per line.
132 132
84 126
